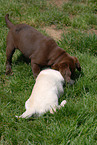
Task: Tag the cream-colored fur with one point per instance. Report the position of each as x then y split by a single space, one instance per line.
45 93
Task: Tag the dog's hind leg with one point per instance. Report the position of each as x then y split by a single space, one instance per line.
26 114
9 52
8 60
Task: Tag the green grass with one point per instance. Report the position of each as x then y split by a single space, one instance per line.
76 123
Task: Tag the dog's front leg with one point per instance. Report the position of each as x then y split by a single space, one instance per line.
35 69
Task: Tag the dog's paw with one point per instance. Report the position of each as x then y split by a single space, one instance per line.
8 69
8 72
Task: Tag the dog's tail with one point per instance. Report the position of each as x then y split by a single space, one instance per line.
8 23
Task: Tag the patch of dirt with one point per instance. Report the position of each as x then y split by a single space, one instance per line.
56 34
92 31
53 32
58 2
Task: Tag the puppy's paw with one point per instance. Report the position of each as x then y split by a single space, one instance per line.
63 103
16 116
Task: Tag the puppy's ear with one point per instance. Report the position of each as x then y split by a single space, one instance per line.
55 66
77 64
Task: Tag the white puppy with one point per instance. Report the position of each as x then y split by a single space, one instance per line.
44 97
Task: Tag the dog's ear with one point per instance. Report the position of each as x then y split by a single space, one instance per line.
59 66
77 64
55 66
66 73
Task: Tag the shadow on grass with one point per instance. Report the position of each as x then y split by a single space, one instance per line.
76 75
22 59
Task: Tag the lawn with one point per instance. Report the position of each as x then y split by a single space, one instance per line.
76 122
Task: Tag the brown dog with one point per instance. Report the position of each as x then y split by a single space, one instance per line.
43 51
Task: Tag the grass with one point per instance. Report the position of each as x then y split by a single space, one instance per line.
76 123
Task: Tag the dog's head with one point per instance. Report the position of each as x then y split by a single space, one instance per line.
67 67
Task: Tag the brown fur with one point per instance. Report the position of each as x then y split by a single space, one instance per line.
43 51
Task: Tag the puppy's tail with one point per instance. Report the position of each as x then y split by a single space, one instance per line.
8 23
26 114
